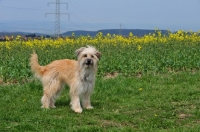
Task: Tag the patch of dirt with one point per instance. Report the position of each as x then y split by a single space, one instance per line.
14 81
139 74
111 75
183 116
106 123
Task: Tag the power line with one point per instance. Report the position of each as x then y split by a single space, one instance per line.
84 13
57 16
21 8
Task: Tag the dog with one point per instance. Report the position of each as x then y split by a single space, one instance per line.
78 75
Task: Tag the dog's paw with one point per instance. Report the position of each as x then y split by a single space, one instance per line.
53 107
89 107
45 107
78 110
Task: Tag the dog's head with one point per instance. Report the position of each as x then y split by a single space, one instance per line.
88 56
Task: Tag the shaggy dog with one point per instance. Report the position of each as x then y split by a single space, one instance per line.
79 75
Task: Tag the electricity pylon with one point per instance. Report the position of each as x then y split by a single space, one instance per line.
57 16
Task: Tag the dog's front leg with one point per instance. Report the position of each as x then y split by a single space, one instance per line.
75 104
86 102
75 99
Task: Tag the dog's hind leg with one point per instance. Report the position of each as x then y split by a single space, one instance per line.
52 102
45 100
51 89
58 90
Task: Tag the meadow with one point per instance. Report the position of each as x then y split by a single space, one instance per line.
148 83
125 55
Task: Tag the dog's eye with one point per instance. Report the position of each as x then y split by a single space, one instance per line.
92 56
85 55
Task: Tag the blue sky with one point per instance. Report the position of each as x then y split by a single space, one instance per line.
29 15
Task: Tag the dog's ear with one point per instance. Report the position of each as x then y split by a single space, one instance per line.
78 51
98 54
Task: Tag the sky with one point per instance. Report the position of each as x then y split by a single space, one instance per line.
92 15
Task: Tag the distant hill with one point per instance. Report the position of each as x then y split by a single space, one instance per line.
19 33
124 32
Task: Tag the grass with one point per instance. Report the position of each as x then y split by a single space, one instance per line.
149 83
152 102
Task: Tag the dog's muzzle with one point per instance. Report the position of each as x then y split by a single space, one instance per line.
89 62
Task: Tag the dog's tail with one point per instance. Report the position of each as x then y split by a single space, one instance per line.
35 66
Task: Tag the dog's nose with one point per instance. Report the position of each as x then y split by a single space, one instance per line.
89 61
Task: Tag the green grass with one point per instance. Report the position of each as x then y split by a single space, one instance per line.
153 102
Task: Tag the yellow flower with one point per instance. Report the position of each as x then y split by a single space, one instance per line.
139 47
140 89
130 34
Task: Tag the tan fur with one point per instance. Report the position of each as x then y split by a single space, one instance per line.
79 75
